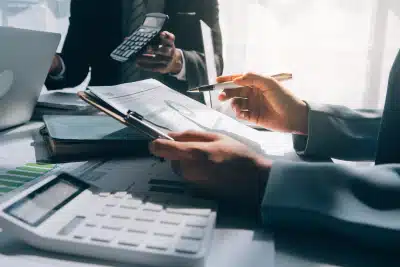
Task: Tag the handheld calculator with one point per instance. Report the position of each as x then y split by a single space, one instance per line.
137 42
64 214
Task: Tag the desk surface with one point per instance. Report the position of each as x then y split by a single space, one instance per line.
23 145
237 242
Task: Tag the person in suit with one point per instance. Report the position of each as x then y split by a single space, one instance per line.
98 27
361 202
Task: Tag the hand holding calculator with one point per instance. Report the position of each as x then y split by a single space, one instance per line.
137 42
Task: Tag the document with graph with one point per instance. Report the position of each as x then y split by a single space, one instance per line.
155 109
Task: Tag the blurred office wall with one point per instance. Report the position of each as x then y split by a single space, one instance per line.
340 51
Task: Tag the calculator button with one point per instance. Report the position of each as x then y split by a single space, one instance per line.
104 211
173 219
193 233
82 232
131 203
122 214
196 221
138 227
190 211
72 225
111 201
166 230
147 216
159 243
103 235
114 224
149 206
188 246
130 53
131 239
92 222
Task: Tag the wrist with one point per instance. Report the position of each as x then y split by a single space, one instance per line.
301 119
177 63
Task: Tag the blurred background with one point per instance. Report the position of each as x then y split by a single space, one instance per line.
339 51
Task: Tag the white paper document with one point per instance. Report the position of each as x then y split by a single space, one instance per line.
169 110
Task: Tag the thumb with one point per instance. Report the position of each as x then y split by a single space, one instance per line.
194 136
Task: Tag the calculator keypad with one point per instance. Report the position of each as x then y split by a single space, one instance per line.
154 223
133 44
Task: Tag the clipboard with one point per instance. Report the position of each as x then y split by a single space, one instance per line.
130 119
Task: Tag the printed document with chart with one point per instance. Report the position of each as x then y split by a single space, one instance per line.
167 110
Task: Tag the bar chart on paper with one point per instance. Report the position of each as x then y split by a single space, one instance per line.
13 178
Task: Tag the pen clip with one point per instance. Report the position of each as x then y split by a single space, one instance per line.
134 114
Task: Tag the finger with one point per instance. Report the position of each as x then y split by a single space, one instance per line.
228 78
240 104
244 115
152 62
159 49
167 38
236 92
173 150
194 136
255 80
163 50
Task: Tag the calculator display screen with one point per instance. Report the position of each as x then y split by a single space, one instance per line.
42 203
154 22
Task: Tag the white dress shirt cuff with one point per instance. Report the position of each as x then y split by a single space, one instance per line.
60 75
182 74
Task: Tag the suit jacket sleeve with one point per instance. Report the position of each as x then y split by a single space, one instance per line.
340 132
196 72
74 50
361 202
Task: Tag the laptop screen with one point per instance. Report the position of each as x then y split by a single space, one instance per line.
389 136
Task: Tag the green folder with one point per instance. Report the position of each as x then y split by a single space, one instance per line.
83 137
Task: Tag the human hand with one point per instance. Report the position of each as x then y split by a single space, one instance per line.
264 101
56 66
217 165
163 58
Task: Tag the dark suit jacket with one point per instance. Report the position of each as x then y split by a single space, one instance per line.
360 201
96 29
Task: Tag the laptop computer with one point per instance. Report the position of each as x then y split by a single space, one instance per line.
25 58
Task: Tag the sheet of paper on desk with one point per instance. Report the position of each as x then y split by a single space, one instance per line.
163 106
133 175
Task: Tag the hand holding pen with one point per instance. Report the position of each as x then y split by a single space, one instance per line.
222 85
263 100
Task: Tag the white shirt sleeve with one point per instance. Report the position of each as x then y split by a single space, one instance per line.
182 74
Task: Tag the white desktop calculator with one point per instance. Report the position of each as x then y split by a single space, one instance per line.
64 214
